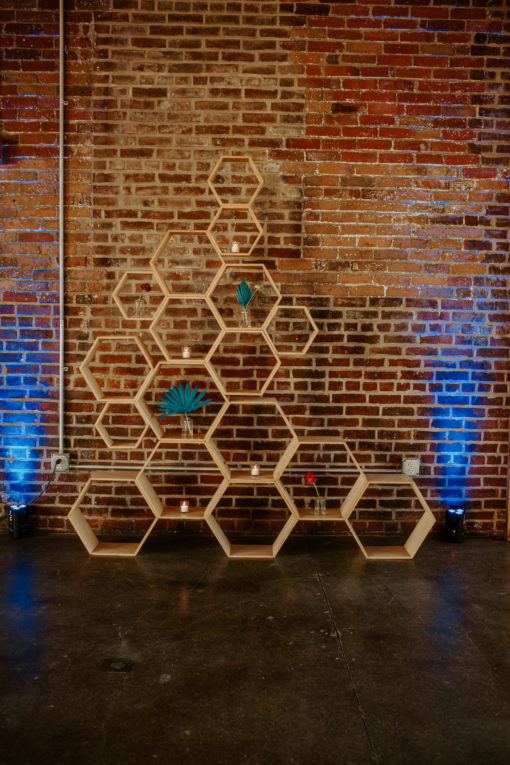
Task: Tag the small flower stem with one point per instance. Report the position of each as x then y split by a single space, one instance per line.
316 489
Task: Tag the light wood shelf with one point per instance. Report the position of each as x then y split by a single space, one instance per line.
204 256
421 528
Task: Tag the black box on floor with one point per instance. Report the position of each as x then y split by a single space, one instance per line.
18 522
454 525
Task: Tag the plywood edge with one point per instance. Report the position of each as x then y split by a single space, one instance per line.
219 534
251 551
116 549
353 497
284 534
386 552
389 478
114 475
419 533
82 528
329 515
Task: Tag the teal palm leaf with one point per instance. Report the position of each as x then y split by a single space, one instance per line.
181 399
244 294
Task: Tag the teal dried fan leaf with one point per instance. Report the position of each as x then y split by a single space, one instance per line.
243 294
181 399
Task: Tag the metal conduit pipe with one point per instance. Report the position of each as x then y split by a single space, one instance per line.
61 338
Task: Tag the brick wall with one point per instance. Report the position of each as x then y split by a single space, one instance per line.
381 130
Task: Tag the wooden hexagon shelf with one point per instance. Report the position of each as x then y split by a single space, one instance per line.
192 280
335 469
292 329
121 425
257 549
84 525
233 435
235 180
138 294
167 374
249 349
186 327
234 232
416 538
265 295
185 263
111 366
174 493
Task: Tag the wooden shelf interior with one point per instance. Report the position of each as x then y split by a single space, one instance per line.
186 325
412 525
252 352
265 295
106 366
185 263
252 432
106 496
333 466
138 295
235 180
168 374
241 506
121 425
234 232
292 329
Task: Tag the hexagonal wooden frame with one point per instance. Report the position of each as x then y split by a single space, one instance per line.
215 373
417 536
235 158
117 293
223 254
110 442
157 272
331 514
252 550
89 376
311 336
83 527
252 268
244 476
183 298
152 421
195 514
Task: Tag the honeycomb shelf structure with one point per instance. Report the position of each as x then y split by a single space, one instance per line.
207 335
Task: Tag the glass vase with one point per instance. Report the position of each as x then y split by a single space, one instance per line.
186 426
244 317
140 307
319 506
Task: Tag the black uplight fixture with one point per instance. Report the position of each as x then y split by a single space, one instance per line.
454 524
18 513
18 521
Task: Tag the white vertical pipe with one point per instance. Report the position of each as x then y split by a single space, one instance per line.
61 230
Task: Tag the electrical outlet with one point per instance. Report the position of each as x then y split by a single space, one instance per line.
60 463
411 465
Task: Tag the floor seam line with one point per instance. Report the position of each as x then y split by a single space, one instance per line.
373 752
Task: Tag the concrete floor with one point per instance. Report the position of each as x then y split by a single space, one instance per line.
182 656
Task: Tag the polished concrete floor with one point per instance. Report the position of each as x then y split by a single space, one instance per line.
182 656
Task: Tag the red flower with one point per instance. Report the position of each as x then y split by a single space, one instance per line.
310 478
146 287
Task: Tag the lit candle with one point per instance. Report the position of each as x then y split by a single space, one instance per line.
186 352
235 246
184 506
255 470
